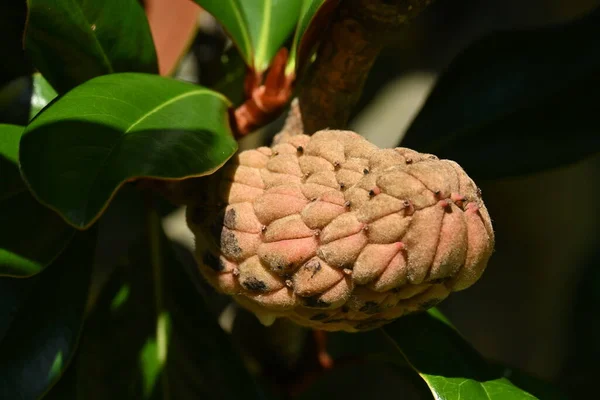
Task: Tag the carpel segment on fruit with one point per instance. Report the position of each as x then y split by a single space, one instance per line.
336 234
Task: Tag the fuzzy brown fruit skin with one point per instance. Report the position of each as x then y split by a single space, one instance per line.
336 234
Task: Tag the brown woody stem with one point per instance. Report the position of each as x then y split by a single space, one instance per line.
358 32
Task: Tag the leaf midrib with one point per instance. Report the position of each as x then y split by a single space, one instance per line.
261 48
96 41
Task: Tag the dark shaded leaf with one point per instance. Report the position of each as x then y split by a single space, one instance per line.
580 370
230 82
312 22
229 13
66 387
71 41
43 93
12 23
15 98
43 324
117 128
220 66
368 380
447 363
516 102
31 235
151 336
258 28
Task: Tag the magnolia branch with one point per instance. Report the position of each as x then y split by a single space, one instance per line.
354 39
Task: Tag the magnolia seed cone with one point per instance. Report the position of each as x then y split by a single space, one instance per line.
336 234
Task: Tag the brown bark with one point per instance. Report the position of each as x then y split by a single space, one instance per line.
358 32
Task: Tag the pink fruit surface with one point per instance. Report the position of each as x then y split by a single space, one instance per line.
336 234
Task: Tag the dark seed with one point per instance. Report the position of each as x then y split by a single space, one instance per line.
370 307
254 285
440 280
315 302
210 260
229 220
314 265
370 324
318 317
229 244
428 304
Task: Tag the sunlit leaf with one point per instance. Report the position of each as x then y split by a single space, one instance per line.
258 28
31 235
42 94
116 128
71 41
516 102
313 20
40 321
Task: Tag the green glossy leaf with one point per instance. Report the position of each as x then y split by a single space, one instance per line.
313 20
516 102
43 93
41 333
71 41
31 235
116 128
447 363
150 335
258 28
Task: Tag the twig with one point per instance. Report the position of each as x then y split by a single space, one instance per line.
360 29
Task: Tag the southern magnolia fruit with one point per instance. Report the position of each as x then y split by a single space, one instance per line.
336 234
